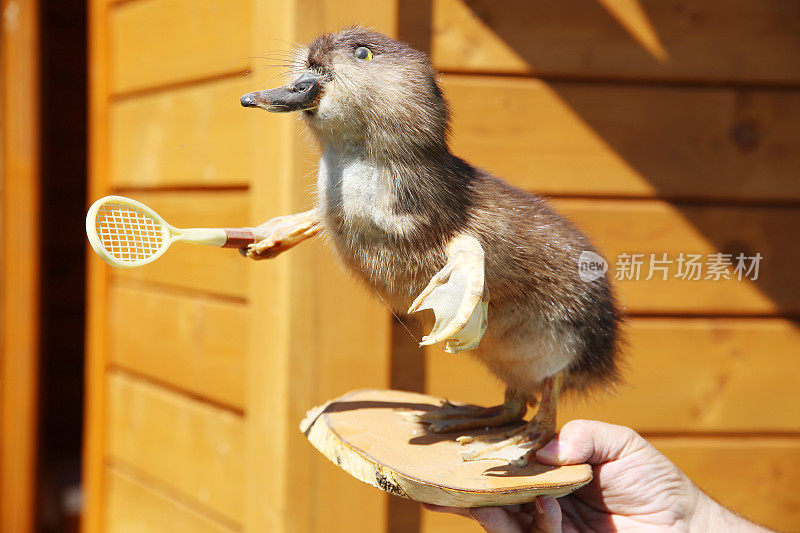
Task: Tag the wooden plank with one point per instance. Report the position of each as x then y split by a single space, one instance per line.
338 14
195 267
358 338
752 476
195 135
655 227
161 42
194 448
269 505
201 341
720 40
705 375
19 262
135 506
314 320
681 375
369 435
447 523
641 141
310 324
94 425
756 477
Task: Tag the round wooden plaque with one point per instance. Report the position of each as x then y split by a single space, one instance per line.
371 435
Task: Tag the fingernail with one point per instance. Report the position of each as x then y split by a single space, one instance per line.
551 451
479 514
546 503
538 505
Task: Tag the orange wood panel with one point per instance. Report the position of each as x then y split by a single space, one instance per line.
316 333
138 505
656 227
681 375
319 334
160 42
705 375
195 448
600 139
200 344
337 14
755 476
446 523
352 337
19 262
720 40
194 135
195 267
94 432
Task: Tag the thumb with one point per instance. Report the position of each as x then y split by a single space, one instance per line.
589 441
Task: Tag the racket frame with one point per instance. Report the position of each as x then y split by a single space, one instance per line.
170 234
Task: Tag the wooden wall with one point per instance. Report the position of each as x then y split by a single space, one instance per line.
201 366
657 126
19 261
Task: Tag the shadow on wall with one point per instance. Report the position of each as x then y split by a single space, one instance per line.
703 118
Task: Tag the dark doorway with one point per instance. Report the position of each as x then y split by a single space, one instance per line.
63 207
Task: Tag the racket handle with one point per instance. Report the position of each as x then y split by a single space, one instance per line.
238 237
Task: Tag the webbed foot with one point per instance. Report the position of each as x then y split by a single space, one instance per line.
458 297
452 417
280 234
516 446
519 445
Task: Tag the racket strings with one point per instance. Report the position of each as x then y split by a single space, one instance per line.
127 234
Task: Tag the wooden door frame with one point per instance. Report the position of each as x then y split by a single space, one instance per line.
94 417
19 262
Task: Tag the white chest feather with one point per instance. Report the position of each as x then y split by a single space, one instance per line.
358 193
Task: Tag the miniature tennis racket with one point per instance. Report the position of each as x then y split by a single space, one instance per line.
126 233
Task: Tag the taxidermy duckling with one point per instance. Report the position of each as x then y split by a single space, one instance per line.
427 230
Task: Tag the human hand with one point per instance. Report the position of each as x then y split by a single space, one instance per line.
635 487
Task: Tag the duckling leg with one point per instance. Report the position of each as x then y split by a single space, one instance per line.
458 298
450 417
281 233
519 445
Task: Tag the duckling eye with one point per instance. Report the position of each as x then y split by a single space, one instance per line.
362 52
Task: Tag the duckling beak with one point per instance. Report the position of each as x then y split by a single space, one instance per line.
302 93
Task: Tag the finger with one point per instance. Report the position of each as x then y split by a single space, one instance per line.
547 516
460 511
495 520
589 441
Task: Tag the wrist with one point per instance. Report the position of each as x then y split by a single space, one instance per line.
705 512
711 516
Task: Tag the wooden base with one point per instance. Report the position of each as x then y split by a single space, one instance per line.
370 434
